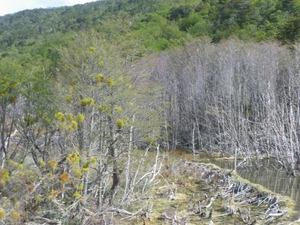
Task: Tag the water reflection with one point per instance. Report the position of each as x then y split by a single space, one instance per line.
269 175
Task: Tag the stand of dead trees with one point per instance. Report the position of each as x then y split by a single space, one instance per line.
233 98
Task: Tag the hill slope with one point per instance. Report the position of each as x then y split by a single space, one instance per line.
158 24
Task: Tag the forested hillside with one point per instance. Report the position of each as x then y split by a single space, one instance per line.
158 24
93 98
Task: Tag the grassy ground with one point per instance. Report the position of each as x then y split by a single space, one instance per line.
192 191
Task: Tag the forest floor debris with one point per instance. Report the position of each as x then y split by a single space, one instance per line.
191 192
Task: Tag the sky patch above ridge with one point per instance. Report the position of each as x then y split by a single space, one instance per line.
10 7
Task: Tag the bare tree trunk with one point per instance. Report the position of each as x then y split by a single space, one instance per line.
114 157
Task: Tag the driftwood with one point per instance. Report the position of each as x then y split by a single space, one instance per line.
235 194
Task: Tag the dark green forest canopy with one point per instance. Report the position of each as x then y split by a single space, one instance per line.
158 24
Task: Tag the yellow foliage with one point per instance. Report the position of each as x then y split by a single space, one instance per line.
74 124
84 102
85 170
100 108
2 214
21 174
69 98
14 216
80 118
77 195
4 174
38 198
77 173
85 165
32 177
10 162
53 193
70 117
80 187
52 164
42 163
92 102
29 119
59 116
93 160
120 123
42 114
118 109
103 108
101 64
100 78
110 82
87 102
47 120
73 159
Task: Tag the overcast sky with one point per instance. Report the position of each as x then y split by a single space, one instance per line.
12 6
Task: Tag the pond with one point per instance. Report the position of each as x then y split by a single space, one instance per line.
270 175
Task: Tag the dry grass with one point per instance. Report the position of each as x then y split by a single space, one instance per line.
183 175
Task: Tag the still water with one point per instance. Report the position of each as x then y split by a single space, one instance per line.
270 175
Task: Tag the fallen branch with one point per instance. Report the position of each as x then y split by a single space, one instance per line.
276 214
